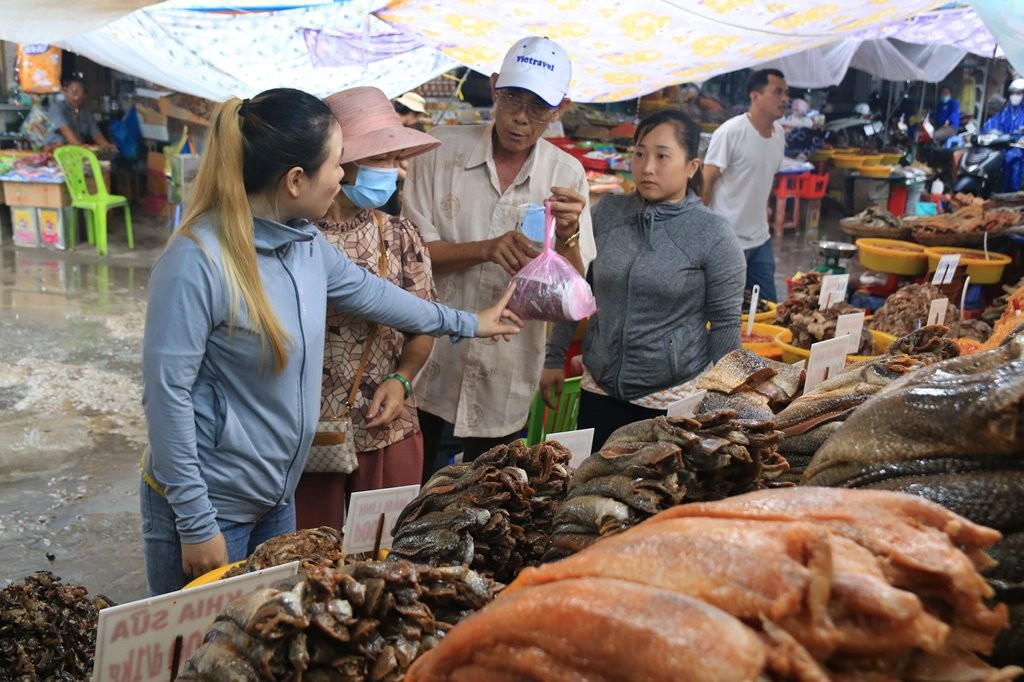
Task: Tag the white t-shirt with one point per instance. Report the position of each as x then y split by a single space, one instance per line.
748 163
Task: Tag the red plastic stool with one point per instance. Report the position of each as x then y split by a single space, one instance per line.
784 204
811 186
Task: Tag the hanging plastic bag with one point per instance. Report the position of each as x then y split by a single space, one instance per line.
548 288
38 68
127 134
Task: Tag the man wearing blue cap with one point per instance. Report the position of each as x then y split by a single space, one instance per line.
465 198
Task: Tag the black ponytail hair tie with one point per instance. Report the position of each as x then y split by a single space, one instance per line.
244 109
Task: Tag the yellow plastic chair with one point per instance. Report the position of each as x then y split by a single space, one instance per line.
72 160
543 420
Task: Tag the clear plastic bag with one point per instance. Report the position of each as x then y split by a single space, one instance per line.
548 288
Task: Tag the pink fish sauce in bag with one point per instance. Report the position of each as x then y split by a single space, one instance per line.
548 288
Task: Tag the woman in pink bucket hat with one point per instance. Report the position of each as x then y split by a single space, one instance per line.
384 426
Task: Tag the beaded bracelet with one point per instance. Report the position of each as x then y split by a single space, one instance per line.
405 382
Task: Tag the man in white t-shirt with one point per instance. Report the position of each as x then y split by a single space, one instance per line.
739 170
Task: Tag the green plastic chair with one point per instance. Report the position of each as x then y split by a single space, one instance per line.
72 160
543 420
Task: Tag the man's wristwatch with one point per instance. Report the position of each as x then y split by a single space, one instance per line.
571 240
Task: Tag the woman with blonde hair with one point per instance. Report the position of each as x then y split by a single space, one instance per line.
234 338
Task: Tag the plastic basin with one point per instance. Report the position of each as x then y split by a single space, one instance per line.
767 348
980 270
766 317
892 256
791 353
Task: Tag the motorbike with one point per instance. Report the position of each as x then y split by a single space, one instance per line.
981 166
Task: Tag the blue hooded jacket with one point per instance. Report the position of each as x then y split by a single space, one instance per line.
228 437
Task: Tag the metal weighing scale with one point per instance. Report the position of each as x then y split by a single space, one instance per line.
833 253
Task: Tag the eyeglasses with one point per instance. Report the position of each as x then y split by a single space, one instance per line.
536 110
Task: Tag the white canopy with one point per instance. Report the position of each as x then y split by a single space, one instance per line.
620 49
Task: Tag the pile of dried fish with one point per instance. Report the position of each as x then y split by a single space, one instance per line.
312 546
800 314
811 419
951 433
801 584
876 220
907 309
999 304
969 220
365 621
762 304
47 629
493 514
654 464
754 386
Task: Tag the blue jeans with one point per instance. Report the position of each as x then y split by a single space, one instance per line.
761 270
1012 162
161 545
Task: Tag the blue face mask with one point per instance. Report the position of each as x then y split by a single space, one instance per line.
945 98
373 187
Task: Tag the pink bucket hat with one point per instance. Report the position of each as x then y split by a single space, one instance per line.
370 126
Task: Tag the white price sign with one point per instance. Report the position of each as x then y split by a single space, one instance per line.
755 294
580 443
937 311
136 642
946 268
833 290
363 517
827 360
686 407
850 325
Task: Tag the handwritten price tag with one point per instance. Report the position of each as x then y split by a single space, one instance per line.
850 325
580 443
136 641
686 407
946 268
364 510
937 311
755 293
827 360
833 290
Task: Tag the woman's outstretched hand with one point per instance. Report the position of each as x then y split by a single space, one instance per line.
499 320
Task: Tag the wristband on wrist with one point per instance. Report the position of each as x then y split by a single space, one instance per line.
571 240
402 380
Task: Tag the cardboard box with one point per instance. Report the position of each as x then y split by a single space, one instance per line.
25 226
45 194
156 174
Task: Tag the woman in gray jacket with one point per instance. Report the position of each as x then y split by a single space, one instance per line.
234 340
666 267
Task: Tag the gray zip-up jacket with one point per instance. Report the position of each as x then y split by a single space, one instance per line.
662 272
228 437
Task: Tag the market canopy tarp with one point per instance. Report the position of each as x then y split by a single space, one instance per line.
217 54
1005 18
47 21
621 49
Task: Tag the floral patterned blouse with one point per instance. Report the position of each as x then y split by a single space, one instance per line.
408 267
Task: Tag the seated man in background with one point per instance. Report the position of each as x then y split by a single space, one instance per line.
946 117
73 122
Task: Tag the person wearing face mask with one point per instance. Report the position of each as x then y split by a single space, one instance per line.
1010 121
946 117
388 442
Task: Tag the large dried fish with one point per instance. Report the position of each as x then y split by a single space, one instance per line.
738 370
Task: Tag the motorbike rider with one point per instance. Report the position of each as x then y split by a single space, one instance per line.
1011 121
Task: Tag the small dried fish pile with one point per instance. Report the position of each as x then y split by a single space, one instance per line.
969 220
48 629
951 433
810 420
762 304
1007 200
754 386
796 584
312 546
493 514
963 199
800 314
874 221
654 464
365 621
999 304
907 309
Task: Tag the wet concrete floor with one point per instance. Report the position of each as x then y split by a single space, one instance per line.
71 423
